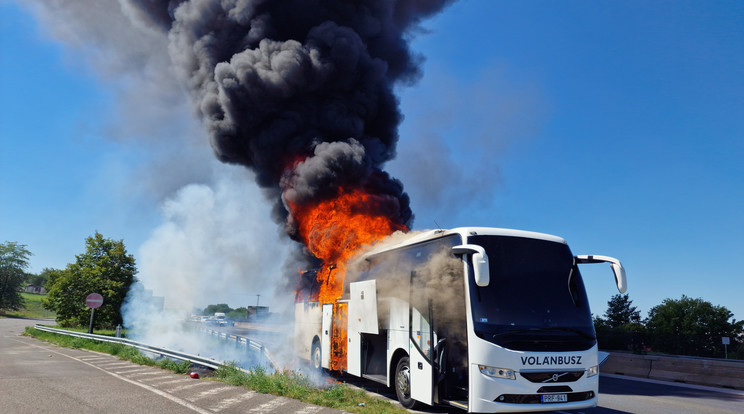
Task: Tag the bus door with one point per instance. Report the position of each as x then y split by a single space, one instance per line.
325 339
421 340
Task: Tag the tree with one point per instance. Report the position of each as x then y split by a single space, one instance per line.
220 307
620 312
104 268
691 327
621 327
13 265
40 279
52 276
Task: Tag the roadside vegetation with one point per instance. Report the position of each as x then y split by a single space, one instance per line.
685 326
33 307
285 383
296 386
13 264
105 268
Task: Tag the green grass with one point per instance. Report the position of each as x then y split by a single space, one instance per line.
33 307
298 387
285 383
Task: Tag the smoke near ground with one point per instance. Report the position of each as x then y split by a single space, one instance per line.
214 242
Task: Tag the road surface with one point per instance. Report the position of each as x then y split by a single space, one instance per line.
38 377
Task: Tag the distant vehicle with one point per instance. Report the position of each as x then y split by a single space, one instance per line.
221 320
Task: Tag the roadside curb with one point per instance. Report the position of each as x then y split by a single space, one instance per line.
675 384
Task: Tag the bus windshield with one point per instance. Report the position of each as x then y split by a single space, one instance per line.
535 300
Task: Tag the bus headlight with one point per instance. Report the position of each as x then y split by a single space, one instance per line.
497 372
592 371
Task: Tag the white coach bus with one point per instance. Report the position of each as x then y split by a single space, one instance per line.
487 320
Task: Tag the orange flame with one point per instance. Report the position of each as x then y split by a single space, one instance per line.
334 230
338 336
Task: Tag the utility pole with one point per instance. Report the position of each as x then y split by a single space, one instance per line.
258 297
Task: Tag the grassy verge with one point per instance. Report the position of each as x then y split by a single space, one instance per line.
33 308
286 383
298 387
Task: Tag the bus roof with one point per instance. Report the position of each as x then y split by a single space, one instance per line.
464 232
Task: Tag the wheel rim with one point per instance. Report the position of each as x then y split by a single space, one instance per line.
404 381
316 358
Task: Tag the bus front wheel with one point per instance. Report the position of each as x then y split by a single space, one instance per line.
403 383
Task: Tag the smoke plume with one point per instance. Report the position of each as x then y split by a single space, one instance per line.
301 91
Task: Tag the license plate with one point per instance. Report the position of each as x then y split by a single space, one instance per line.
554 398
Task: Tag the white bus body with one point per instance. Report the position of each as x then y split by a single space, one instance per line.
487 320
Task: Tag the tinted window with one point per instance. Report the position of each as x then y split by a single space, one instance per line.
536 298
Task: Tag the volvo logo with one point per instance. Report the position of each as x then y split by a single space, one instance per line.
555 377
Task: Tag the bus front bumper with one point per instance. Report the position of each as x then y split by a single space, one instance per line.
498 395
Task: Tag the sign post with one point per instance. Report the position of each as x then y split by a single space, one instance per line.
93 301
725 340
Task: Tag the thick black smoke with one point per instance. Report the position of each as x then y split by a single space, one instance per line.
300 91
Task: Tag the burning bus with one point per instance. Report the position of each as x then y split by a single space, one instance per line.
304 96
483 319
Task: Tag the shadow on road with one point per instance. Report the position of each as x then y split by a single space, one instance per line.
617 386
382 391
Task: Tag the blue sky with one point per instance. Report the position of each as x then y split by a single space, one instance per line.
616 125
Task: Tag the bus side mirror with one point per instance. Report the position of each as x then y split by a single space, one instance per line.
480 262
617 268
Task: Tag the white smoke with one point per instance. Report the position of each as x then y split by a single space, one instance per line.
215 245
215 242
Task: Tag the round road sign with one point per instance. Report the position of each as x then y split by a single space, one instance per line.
94 300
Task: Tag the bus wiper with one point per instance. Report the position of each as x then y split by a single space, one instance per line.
543 330
572 330
519 331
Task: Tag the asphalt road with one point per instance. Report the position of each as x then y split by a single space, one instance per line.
622 395
626 395
617 394
36 377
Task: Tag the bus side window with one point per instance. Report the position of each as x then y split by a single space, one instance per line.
420 307
421 332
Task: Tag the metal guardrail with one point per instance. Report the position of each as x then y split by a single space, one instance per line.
183 356
247 342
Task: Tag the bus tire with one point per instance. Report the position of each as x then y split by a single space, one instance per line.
315 357
402 383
